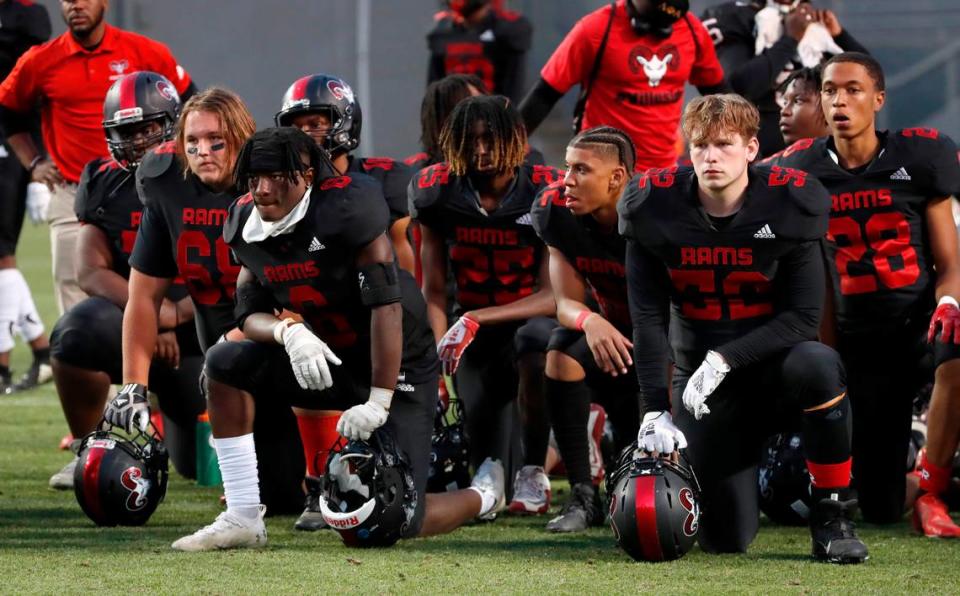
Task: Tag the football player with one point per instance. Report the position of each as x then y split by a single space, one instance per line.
316 244
185 187
894 265
326 108
801 115
577 219
755 68
140 112
726 259
474 213
480 38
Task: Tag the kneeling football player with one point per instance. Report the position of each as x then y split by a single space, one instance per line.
317 246
577 219
725 259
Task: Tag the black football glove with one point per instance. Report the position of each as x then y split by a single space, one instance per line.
129 409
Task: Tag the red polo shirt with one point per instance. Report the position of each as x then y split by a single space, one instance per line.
71 82
639 87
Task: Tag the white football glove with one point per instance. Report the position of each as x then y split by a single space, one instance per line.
704 381
659 434
38 202
308 355
359 422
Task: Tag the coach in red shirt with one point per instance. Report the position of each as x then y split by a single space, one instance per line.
653 48
69 77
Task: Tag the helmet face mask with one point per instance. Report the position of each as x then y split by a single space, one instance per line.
331 97
131 102
784 482
120 480
449 451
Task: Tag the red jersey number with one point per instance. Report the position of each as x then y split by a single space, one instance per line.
199 279
734 285
888 236
332 327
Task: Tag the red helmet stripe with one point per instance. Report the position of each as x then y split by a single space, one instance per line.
645 501
91 481
300 88
128 92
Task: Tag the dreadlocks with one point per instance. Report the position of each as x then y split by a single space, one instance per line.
281 150
438 101
812 76
609 142
503 124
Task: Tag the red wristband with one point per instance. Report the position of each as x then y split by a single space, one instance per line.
581 318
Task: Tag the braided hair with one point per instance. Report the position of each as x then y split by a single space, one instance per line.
503 123
438 102
610 142
812 76
281 150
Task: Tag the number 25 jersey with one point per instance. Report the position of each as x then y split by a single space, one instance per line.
878 244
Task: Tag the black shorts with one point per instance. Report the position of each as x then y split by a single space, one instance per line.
884 374
724 446
13 190
264 371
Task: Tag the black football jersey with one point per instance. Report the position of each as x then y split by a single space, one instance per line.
311 271
598 255
22 24
495 257
492 50
107 198
725 282
181 234
878 249
393 177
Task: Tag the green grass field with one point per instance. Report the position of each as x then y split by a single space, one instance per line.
47 545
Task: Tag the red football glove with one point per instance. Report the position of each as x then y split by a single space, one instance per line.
455 341
946 319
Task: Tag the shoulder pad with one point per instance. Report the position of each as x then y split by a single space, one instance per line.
645 195
416 159
158 161
541 175
802 201
428 185
237 215
368 164
547 206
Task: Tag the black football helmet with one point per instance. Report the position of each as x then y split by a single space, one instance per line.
654 506
138 97
368 493
784 482
658 18
465 8
120 481
329 94
449 451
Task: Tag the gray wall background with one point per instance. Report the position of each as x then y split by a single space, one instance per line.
258 48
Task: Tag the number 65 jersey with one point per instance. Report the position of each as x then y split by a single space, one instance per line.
878 245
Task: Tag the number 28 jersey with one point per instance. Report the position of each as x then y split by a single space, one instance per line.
878 244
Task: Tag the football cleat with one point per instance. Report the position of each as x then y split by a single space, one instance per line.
931 518
833 533
227 531
581 511
531 491
311 519
489 480
38 374
595 428
63 480
6 381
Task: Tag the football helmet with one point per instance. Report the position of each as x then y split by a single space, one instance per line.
654 506
658 18
465 8
449 451
120 481
784 482
135 98
368 493
332 96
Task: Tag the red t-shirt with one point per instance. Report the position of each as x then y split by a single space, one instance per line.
72 82
639 87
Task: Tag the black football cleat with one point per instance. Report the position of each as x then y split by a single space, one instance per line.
311 519
38 374
580 512
833 533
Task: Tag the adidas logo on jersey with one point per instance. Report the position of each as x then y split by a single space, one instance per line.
901 174
488 36
315 245
524 220
765 232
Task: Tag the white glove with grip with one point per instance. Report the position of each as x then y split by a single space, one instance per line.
704 382
129 409
38 202
308 355
659 434
360 421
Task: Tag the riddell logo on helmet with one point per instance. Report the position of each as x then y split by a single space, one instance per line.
340 90
132 479
342 524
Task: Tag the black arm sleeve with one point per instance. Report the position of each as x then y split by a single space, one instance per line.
800 299
253 298
435 70
755 76
12 123
848 43
537 104
649 298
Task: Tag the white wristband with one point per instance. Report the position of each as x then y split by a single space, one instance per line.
382 397
948 300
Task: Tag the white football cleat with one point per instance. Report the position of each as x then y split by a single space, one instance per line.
531 491
227 531
63 480
489 480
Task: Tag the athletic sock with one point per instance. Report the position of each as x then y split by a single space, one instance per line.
826 445
569 411
42 355
9 307
317 434
487 500
238 467
933 478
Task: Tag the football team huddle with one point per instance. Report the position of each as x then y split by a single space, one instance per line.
413 345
